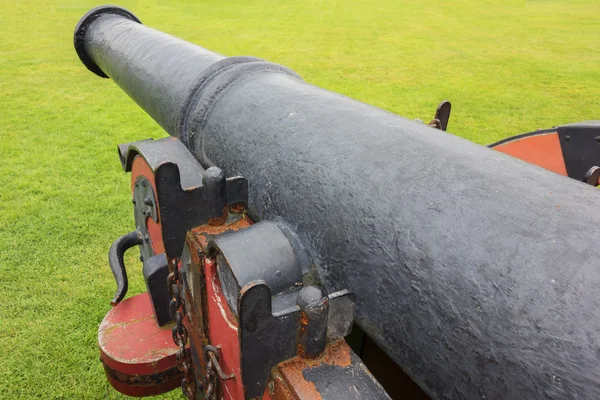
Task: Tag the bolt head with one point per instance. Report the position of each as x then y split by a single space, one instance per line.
309 295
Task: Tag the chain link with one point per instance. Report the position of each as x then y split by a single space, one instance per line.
179 331
210 381
180 338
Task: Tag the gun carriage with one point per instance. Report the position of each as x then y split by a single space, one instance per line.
279 215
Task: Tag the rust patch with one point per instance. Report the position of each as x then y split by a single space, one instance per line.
213 322
237 208
278 389
201 234
301 331
337 353
289 383
143 385
219 220
288 379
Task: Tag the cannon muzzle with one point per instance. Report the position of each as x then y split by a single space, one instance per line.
474 271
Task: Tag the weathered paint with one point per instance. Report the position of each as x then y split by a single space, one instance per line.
221 327
287 379
202 234
338 374
138 355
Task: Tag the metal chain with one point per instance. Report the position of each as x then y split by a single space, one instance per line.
180 338
213 371
180 332
210 381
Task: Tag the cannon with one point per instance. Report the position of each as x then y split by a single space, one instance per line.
278 217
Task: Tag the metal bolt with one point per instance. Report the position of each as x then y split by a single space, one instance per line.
133 200
146 237
597 138
567 138
148 201
146 212
143 183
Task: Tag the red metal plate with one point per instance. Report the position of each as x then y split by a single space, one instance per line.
141 167
223 326
139 357
542 149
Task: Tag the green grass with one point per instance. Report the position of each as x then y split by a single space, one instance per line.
507 67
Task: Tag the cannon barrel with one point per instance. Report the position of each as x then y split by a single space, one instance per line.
474 271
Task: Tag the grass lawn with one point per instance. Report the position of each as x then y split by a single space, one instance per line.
508 68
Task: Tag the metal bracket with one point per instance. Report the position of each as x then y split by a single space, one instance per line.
442 116
144 207
580 143
156 271
212 352
592 176
186 195
278 316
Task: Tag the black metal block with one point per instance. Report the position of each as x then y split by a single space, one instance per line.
156 271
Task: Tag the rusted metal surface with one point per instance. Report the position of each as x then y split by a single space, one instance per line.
288 378
213 354
142 385
337 353
138 356
202 234
180 335
324 377
302 333
312 332
279 389
218 221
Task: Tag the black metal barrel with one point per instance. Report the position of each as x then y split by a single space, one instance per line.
476 272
